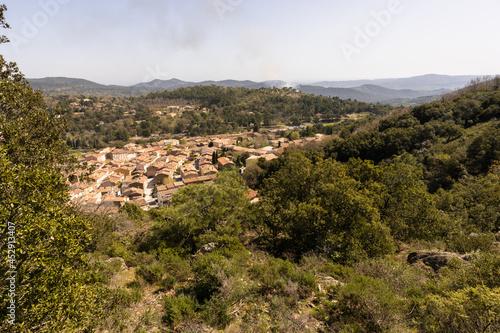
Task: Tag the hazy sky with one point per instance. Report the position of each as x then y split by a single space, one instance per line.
130 41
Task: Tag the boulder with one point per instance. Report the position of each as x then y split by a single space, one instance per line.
325 280
207 248
433 259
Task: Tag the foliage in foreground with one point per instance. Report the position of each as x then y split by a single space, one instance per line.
48 238
324 250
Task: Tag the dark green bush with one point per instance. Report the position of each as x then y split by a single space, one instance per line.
362 305
480 269
462 243
275 275
215 312
175 265
168 282
179 308
133 211
208 269
151 273
467 310
213 271
118 249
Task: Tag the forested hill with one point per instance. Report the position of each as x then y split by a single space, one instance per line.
238 97
424 174
460 131
451 140
266 106
366 91
97 122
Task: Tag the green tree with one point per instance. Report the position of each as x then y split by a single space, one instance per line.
308 206
484 150
203 214
122 135
406 206
215 157
48 238
294 135
133 211
475 203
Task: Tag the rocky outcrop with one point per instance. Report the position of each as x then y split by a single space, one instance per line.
207 248
433 259
324 281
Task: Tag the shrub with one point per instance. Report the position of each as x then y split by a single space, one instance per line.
124 297
363 305
102 231
140 258
148 321
214 272
481 269
459 242
403 278
168 282
467 310
275 275
175 265
151 273
179 308
322 266
228 242
220 283
215 312
133 211
208 270
100 271
118 249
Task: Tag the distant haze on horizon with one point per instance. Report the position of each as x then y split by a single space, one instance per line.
125 42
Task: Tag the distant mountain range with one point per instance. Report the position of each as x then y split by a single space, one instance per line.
371 93
407 91
423 82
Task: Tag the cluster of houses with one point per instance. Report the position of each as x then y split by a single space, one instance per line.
149 176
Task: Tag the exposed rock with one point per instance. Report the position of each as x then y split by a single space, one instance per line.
207 248
324 281
123 267
434 259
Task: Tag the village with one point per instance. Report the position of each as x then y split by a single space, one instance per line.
149 175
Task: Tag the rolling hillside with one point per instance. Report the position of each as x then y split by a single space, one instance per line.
408 91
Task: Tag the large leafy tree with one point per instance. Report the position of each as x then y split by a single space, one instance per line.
48 238
205 213
319 207
350 210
